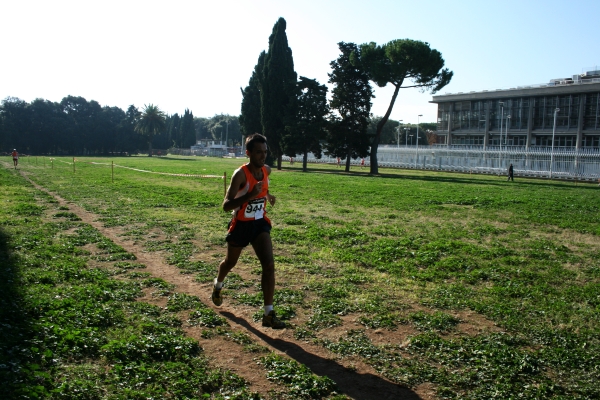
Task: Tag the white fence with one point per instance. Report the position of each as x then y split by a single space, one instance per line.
562 163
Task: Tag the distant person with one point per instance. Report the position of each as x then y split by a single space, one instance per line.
339 162
15 157
291 160
510 173
362 163
247 198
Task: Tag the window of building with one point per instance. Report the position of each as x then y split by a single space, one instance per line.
559 141
516 141
539 104
468 140
518 109
591 141
496 113
443 116
591 114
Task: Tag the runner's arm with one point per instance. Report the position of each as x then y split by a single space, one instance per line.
238 180
270 198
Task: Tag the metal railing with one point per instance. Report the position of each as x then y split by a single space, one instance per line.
568 163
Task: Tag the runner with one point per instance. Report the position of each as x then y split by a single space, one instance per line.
15 157
247 198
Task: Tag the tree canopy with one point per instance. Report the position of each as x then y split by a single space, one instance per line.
305 135
151 122
351 106
72 126
396 62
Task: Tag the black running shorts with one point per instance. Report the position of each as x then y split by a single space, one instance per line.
244 232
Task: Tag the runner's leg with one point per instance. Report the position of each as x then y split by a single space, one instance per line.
233 254
263 247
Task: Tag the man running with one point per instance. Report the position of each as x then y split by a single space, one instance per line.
247 198
15 157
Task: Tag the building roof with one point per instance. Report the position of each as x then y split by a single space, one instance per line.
554 87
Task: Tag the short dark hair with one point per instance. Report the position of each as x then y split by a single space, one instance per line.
254 138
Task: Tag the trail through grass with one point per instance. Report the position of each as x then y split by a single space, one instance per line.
419 251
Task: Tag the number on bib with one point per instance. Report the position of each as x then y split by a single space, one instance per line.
255 209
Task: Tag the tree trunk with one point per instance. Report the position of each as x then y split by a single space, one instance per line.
374 168
279 159
348 161
304 161
377 138
150 148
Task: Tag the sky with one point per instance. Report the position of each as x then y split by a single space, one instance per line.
197 55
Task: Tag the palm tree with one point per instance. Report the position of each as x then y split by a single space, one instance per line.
150 123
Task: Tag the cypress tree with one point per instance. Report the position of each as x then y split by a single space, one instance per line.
250 118
278 90
187 129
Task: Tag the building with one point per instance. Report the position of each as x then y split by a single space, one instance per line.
524 116
214 148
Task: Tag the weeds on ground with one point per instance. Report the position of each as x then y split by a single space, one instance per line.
405 248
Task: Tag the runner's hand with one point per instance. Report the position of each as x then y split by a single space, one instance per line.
271 199
256 189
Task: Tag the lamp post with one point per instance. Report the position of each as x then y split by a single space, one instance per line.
417 157
406 131
227 134
501 119
411 139
556 110
398 141
506 130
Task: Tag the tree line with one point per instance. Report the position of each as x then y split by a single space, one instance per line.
296 116
76 126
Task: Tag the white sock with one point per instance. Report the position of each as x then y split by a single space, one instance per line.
268 309
218 285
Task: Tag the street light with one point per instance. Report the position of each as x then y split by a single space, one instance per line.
406 130
398 141
505 139
416 158
556 110
506 130
501 119
411 139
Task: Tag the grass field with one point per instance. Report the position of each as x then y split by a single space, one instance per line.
467 284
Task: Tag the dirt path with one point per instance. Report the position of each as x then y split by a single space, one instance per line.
354 378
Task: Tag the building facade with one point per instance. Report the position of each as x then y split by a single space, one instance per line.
524 116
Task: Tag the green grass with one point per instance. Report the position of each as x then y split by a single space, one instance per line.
410 249
70 331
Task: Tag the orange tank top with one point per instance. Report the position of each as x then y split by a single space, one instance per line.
257 207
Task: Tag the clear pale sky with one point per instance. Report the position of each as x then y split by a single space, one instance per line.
197 54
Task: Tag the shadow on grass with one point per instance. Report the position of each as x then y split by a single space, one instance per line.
355 385
15 326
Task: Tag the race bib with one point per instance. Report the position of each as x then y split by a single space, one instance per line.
255 209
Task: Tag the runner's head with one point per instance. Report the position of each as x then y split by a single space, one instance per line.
256 149
254 138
